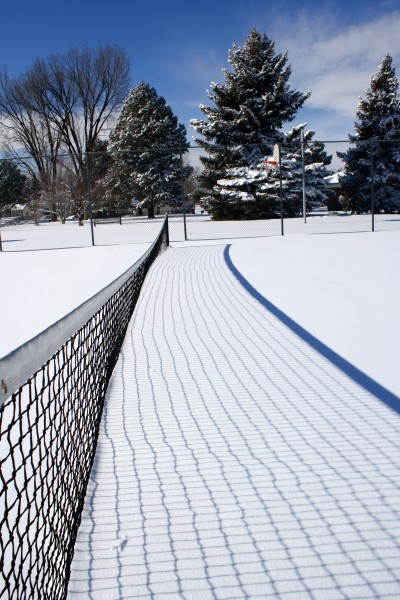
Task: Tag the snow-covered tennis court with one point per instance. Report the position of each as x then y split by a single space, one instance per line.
250 439
56 236
250 435
199 227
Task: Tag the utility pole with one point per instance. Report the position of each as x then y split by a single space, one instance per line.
303 170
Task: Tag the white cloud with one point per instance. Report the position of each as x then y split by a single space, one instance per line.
364 44
337 67
338 91
199 66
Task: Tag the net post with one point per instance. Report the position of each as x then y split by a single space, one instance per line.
166 230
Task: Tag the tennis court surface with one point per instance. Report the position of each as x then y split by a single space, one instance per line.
236 458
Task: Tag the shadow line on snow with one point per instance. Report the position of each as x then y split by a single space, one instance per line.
361 378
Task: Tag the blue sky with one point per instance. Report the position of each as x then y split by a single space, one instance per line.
180 46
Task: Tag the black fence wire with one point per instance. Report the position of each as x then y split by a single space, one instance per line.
79 208
48 434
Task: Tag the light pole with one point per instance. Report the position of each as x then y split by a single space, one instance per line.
303 170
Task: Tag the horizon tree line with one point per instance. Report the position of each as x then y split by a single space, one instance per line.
59 110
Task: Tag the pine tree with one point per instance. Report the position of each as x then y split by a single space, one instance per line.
146 147
369 159
316 161
250 182
12 184
242 127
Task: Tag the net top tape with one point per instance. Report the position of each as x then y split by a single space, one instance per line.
20 364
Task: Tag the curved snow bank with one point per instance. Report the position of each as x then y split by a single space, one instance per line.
343 289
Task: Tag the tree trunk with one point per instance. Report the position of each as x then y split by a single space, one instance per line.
53 216
150 211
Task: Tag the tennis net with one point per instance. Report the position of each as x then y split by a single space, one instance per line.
51 402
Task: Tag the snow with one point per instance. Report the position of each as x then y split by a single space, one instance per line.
346 286
51 236
41 287
335 178
344 290
61 270
236 458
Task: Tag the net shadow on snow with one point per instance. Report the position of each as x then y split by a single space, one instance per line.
235 459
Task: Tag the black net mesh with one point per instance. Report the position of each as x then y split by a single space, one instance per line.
48 434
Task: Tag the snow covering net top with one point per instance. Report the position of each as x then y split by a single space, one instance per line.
48 434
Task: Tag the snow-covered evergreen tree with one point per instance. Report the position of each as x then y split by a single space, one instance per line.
378 118
12 184
242 127
146 146
316 161
248 183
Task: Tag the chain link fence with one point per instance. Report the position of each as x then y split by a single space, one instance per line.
91 203
338 212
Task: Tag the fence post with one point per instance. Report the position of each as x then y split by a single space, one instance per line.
303 171
280 186
183 196
89 196
166 230
372 187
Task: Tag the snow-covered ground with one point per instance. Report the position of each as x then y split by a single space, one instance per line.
39 288
238 457
27 236
48 236
344 289
246 449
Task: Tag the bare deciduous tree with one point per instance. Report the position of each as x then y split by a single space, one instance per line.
61 105
23 128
